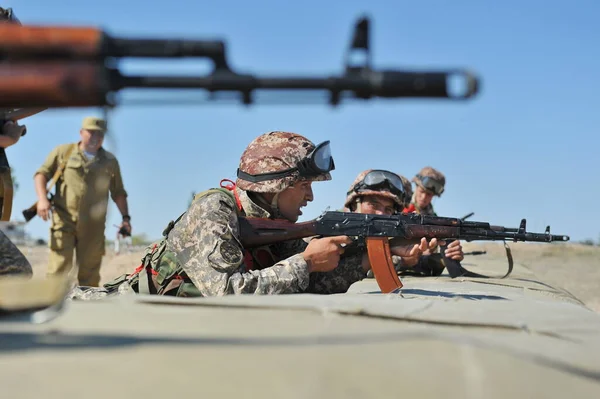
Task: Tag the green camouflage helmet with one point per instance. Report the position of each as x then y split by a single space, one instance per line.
431 180
277 153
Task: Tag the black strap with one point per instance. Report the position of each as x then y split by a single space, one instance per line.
455 269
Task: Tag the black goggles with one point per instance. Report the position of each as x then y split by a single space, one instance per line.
431 184
319 161
379 179
7 14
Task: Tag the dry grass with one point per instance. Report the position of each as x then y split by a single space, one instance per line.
573 267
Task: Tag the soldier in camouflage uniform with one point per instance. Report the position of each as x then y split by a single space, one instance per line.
430 182
386 193
202 255
12 261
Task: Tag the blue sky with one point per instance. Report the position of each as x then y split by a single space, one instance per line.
525 147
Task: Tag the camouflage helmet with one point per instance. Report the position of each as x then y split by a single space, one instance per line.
400 198
408 188
430 179
275 160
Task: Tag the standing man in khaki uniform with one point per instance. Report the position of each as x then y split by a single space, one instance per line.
79 205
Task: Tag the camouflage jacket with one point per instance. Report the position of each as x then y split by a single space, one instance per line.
203 250
12 260
206 244
428 211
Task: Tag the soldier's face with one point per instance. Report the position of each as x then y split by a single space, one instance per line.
293 198
376 206
423 197
92 139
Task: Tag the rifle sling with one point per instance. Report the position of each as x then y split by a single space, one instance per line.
455 269
61 167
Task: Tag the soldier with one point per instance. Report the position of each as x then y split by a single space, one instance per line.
386 193
201 254
80 202
12 260
429 182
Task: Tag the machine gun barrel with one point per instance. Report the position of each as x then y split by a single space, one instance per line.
62 66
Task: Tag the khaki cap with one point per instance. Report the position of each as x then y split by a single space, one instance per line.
92 123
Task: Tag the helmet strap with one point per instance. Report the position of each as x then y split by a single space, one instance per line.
275 207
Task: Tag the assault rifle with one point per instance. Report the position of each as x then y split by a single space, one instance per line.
57 66
377 233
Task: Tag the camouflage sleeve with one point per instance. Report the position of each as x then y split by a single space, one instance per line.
289 248
206 244
12 260
337 281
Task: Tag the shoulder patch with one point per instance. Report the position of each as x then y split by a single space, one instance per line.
230 252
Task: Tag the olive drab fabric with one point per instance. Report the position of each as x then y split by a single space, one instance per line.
82 193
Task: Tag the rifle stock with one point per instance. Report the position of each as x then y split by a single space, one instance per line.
256 232
51 84
30 212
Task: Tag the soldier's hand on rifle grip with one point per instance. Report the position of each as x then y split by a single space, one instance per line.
323 254
43 208
433 244
410 254
454 251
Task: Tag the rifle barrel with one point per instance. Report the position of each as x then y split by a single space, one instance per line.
64 83
372 83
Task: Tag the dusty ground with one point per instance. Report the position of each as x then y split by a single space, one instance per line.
573 267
